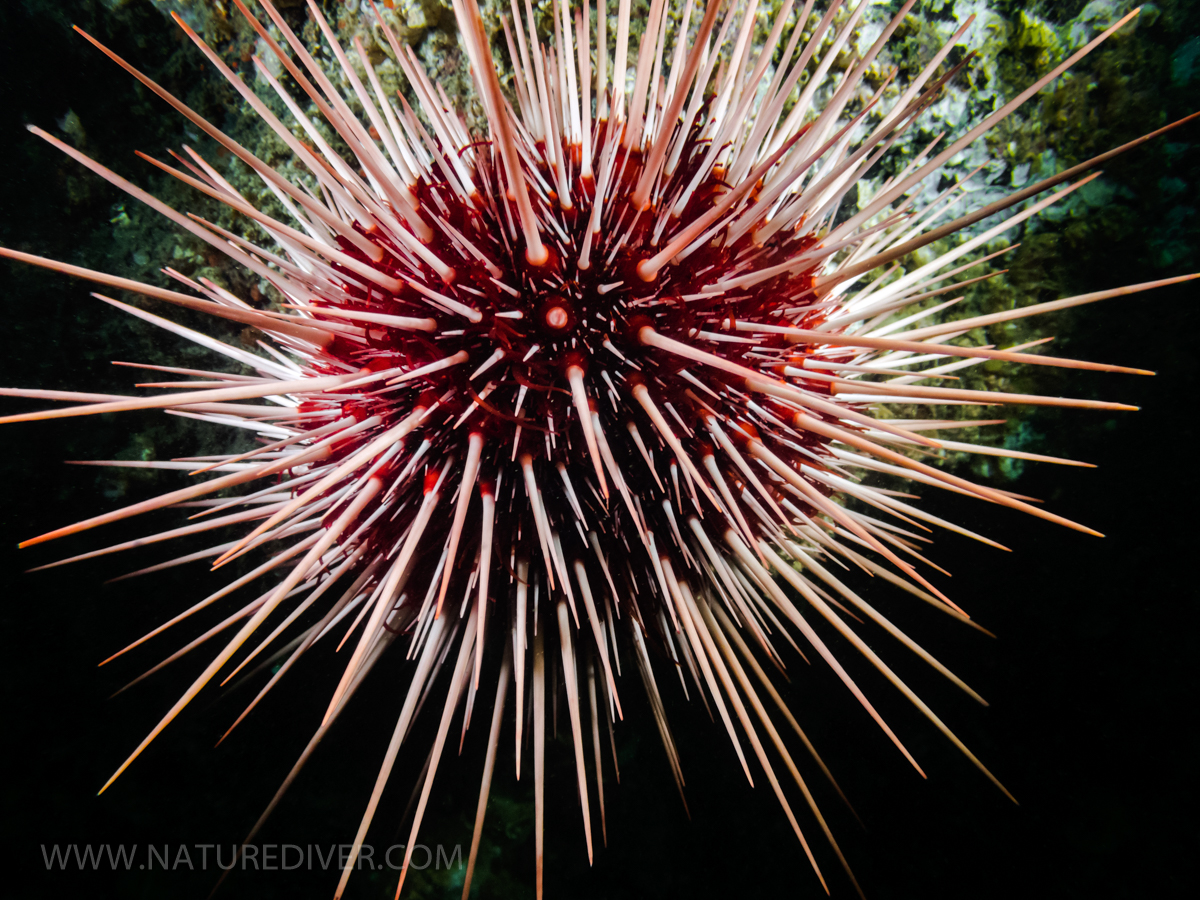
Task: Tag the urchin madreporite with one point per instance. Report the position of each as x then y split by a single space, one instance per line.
594 391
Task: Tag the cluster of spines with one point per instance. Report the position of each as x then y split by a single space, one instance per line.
662 276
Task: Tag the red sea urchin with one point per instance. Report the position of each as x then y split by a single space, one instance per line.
585 382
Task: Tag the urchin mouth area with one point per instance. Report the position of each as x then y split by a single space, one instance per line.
556 318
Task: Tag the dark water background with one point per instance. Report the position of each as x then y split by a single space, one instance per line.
1091 681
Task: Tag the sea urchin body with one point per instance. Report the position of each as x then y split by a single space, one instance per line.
596 388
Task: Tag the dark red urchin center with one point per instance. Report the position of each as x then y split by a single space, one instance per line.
523 319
